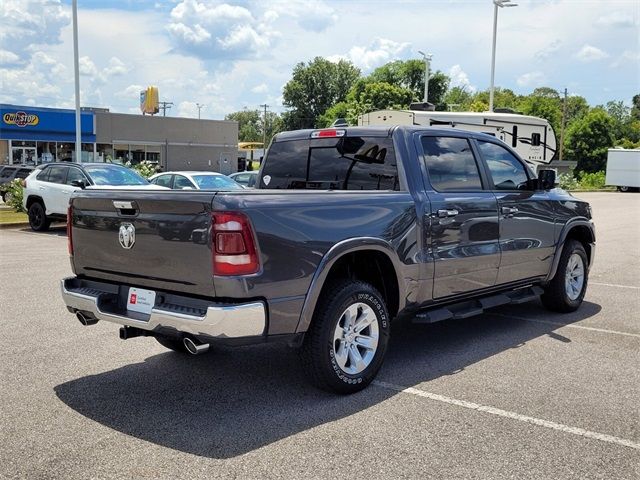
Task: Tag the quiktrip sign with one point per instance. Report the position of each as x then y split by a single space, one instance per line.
22 122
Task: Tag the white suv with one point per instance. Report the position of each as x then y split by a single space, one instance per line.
47 191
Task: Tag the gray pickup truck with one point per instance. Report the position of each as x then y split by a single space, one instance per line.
349 230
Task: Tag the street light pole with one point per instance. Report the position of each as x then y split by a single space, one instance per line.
496 4
199 105
427 64
76 69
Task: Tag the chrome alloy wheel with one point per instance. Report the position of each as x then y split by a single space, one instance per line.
355 339
574 276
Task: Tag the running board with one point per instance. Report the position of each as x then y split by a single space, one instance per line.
471 308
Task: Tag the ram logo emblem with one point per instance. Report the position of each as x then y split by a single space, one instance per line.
127 236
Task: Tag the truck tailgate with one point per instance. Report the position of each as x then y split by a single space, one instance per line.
161 242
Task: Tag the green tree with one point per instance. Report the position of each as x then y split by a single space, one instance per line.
314 88
543 107
635 109
588 140
251 125
409 74
339 110
369 96
458 99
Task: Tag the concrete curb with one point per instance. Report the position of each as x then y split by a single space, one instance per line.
4 226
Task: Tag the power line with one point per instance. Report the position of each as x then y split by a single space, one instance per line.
200 106
164 106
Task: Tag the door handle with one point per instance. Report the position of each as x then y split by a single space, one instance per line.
447 213
509 210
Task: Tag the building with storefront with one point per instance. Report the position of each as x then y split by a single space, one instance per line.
35 135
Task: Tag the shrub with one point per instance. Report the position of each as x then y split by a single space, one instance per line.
567 181
592 181
14 194
145 169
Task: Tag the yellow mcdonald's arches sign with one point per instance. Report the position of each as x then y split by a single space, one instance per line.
21 119
149 101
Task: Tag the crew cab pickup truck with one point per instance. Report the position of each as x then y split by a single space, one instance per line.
348 231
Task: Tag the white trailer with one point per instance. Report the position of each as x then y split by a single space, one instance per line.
532 137
623 169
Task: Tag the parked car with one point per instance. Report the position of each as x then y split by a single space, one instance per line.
8 173
194 181
407 222
47 191
246 179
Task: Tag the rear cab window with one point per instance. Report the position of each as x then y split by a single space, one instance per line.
337 163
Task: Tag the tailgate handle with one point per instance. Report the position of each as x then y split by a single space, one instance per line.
126 207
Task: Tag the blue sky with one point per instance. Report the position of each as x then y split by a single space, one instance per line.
236 54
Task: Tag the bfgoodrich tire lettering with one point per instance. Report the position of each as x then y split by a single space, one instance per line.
350 314
566 290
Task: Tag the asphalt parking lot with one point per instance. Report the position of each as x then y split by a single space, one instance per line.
515 393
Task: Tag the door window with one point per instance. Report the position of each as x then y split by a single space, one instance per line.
450 164
507 172
181 182
75 174
163 180
57 174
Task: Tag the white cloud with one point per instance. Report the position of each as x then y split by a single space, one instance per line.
377 53
459 78
132 91
7 57
628 57
210 30
589 53
116 67
188 109
548 50
313 15
616 20
25 23
531 79
262 88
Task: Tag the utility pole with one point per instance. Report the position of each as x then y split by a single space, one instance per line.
164 106
264 129
199 105
564 117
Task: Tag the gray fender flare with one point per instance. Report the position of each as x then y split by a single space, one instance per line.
334 254
580 222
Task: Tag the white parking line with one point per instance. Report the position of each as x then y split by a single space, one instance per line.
570 325
614 285
512 415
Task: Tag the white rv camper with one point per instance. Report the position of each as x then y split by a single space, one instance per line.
532 137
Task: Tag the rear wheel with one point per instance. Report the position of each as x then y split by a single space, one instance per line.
566 290
623 189
346 343
38 220
174 344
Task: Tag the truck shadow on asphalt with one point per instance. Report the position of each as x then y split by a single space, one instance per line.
234 401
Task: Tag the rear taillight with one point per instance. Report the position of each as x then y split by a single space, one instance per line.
232 244
69 231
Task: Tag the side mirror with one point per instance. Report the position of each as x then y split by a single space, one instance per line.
546 179
78 183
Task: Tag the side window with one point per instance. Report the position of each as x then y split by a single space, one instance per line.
75 174
181 182
450 164
535 139
163 180
345 163
43 176
57 174
507 172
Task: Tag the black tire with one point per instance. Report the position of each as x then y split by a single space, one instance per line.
4 196
555 296
318 352
174 344
624 189
38 220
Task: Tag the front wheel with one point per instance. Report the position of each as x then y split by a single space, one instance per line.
345 346
566 290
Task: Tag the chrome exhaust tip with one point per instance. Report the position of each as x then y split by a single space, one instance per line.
195 348
86 318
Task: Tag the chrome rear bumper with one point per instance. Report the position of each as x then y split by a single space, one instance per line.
212 320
